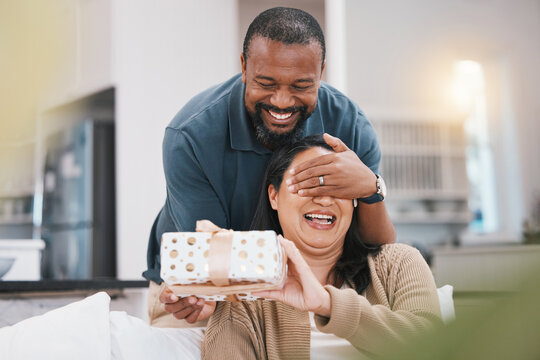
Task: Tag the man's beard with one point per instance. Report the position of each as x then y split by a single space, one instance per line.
271 139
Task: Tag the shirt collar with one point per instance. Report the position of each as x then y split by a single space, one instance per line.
241 130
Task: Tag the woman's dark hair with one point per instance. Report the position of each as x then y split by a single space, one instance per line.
352 266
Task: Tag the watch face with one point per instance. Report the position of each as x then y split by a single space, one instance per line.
381 186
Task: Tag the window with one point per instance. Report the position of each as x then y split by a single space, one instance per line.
470 95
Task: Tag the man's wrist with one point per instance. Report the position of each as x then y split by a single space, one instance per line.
379 194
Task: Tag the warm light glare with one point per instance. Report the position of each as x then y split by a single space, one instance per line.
468 84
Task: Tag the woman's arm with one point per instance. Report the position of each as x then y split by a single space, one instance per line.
412 298
409 293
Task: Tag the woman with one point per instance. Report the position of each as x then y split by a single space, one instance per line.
369 296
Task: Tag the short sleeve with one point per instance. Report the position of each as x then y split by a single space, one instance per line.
367 146
190 195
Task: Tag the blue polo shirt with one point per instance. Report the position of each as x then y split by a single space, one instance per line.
214 164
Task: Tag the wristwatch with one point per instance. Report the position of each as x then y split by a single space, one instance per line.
379 195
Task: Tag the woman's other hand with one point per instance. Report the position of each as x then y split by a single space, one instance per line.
302 289
190 308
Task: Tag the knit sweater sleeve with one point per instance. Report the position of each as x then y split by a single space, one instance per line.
230 334
410 303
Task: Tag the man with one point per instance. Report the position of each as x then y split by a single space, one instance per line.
216 148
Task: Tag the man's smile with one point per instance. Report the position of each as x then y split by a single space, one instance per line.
280 120
279 116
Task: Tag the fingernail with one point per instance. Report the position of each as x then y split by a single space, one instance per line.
291 171
174 298
300 192
200 302
288 182
192 300
291 188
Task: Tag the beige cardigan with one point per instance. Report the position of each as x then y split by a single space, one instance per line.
400 301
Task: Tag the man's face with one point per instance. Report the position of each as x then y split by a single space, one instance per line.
282 83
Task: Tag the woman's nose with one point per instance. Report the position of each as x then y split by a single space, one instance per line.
282 99
323 200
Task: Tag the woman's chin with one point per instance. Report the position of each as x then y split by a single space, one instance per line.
317 241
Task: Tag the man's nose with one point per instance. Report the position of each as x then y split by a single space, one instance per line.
323 200
282 99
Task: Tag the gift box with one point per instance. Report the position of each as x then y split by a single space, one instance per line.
217 264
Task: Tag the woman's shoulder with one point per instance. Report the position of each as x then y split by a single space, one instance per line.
392 255
397 250
393 263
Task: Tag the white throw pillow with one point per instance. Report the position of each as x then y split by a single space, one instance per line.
79 331
447 303
134 339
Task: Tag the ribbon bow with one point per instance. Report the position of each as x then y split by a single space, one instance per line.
219 253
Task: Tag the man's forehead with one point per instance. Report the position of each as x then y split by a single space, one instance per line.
264 45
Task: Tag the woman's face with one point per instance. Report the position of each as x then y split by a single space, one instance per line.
316 224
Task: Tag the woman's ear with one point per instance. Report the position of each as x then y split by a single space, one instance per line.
273 196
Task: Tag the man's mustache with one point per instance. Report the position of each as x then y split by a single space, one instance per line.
268 107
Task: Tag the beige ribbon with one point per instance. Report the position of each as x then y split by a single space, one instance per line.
219 253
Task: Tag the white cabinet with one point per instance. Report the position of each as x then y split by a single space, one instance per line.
81 49
26 255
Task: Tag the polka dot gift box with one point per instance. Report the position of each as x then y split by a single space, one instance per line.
217 264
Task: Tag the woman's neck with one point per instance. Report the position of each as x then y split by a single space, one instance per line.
321 265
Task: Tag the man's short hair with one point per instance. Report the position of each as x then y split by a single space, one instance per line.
286 25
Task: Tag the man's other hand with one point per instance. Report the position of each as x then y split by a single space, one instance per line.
344 175
190 308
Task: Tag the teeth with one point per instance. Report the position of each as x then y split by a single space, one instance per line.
280 116
326 219
319 216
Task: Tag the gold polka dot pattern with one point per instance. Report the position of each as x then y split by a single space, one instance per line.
255 257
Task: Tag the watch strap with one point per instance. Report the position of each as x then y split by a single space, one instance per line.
372 199
378 196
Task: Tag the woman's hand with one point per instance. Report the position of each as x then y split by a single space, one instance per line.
302 289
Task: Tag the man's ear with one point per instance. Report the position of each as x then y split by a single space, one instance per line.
273 196
243 61
322 69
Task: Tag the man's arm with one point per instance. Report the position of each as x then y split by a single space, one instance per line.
374 223
345 176
190 197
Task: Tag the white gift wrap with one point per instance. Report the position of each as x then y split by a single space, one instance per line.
255 258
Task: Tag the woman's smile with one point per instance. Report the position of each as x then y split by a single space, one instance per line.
320 219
